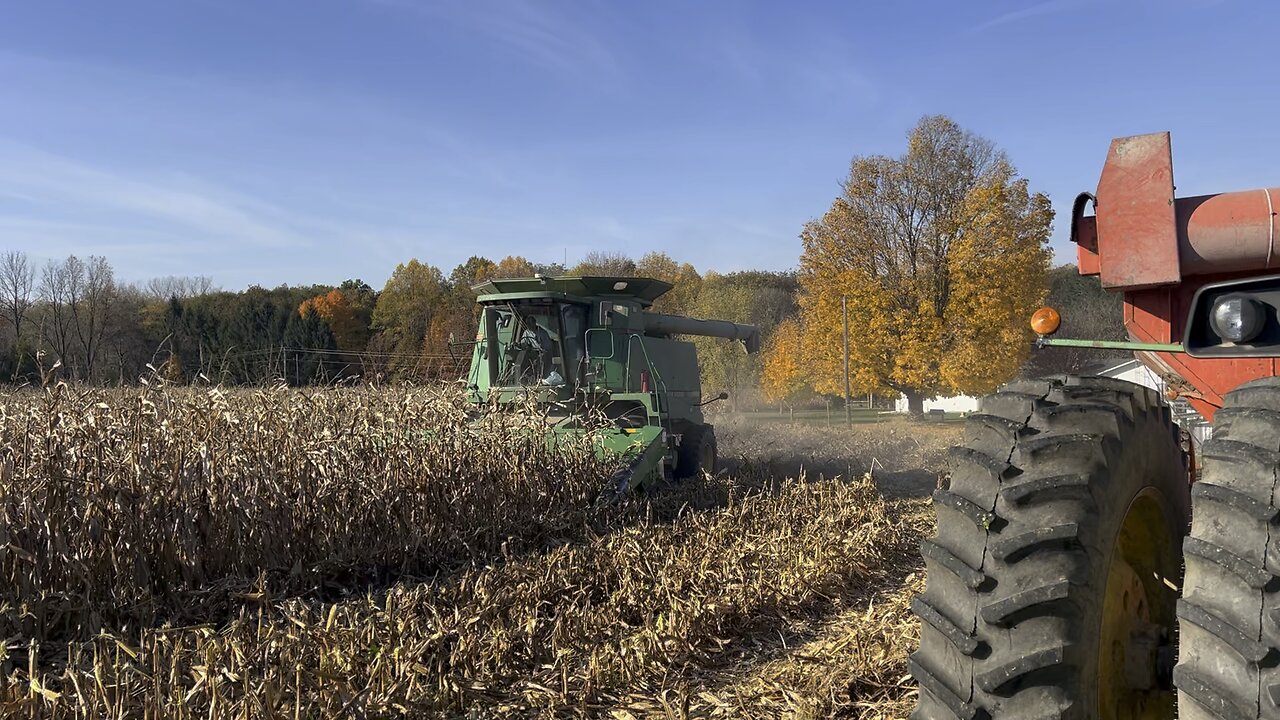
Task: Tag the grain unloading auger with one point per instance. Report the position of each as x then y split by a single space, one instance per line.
1055 581
580 346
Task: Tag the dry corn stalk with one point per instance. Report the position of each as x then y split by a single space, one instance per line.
174 553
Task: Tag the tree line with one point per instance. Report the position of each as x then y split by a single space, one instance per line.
72 319
937 257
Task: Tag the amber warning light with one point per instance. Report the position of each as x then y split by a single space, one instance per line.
1045 321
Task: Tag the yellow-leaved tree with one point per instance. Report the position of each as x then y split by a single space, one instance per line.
684 278
783 377
941 255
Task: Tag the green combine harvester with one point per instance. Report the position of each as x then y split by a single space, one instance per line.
580 346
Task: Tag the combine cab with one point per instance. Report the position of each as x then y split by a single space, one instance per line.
589 345
1056 584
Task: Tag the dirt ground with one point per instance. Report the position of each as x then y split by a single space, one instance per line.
905 458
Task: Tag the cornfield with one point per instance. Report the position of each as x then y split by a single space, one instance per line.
378 553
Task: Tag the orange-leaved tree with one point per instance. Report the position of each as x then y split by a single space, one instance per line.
941 254
350 330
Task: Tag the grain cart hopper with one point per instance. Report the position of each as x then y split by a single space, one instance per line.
1055 580
580 345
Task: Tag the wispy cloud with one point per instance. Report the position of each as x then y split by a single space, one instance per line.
54 181
821 68
536 32
1050 7
54 206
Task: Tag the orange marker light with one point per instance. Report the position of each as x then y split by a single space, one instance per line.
1046 321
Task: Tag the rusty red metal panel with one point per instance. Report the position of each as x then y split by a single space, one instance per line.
1137 232
1086 239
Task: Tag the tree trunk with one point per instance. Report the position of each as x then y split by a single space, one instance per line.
915 403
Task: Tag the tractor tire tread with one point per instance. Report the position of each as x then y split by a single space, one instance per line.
1054 537
1074 486
1015 538
1250 651
1209 696
1003 612
1236 500
964 641
993 681
1252 575
976 513
944 694
1229 615
689 453
971 577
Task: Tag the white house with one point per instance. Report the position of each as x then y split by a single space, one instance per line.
954 404
1134 372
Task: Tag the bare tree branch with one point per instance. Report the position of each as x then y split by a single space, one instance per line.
17 281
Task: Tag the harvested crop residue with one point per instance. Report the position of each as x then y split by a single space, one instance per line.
778 589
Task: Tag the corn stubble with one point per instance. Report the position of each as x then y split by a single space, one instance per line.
373 553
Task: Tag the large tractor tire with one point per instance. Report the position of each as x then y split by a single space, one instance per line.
1229 615
1052 578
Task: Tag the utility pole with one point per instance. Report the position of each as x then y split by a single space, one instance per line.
848 411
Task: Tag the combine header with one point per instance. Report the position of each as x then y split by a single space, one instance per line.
1055 581
580 345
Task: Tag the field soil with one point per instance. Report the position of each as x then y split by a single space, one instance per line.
376 553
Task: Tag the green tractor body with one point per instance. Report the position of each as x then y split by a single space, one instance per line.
584 345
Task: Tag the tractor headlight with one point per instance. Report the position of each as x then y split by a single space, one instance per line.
1237 318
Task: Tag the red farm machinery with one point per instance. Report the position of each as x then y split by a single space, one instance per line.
1089 563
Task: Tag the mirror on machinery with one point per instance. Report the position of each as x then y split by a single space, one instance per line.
718 398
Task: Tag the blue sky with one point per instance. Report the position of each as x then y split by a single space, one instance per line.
268 142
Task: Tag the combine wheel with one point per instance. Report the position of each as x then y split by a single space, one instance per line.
1052 578
697 452
1229 617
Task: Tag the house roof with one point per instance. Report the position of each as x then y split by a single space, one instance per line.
1114 368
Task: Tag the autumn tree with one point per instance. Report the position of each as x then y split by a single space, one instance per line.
476 269
92 287
305 338
513 266
335 310
759 298
607 263
942 255
405 310
783 377
362 299
684 279
454 323
55 316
